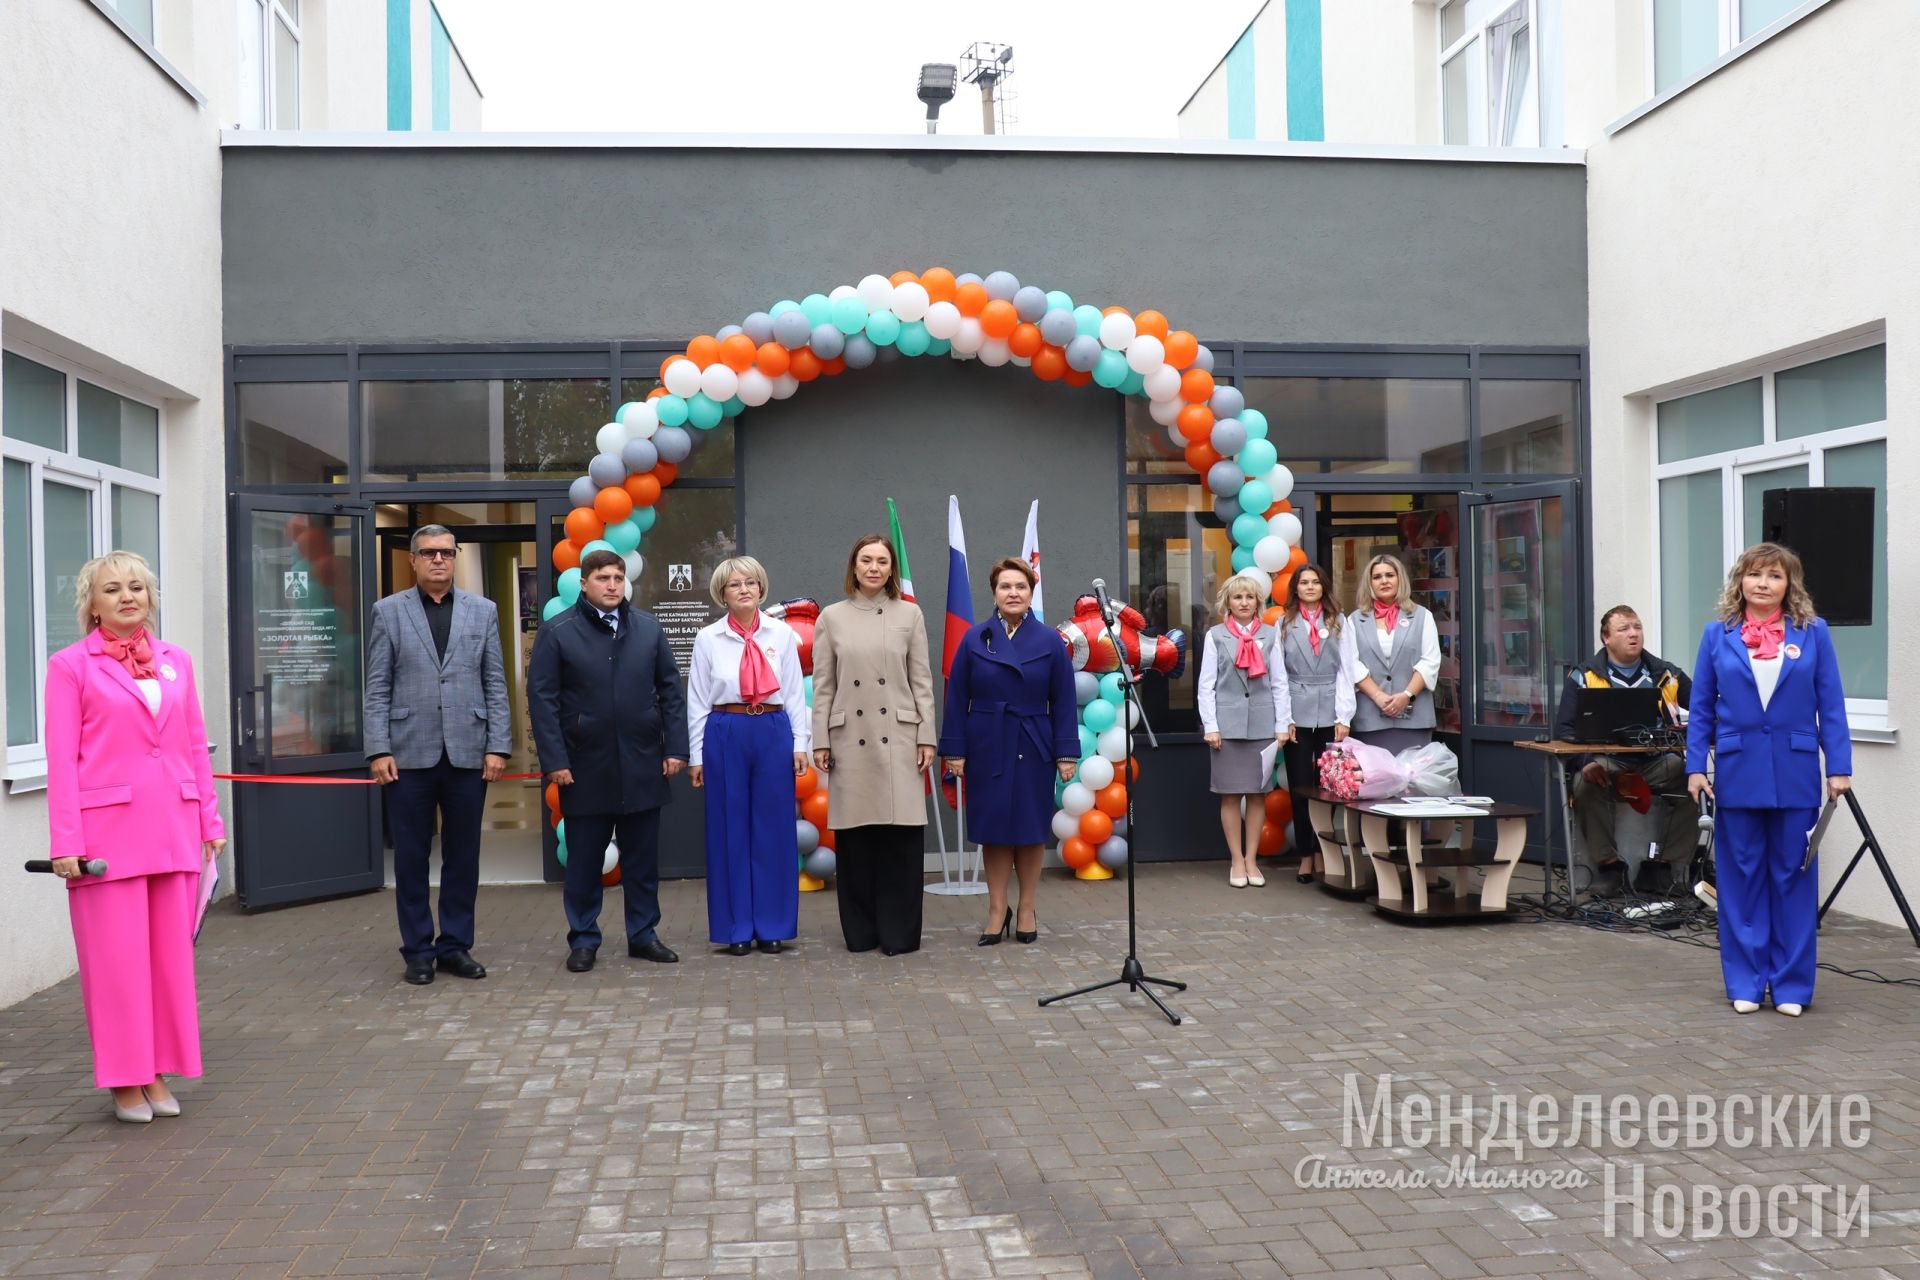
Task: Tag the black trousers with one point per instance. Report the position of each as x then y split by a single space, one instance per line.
879 883
587 838
458 797
1303 775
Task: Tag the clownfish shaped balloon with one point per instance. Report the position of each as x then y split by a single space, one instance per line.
1091 647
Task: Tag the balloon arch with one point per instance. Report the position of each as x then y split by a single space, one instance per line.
994 319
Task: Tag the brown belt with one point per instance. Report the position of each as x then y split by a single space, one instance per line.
747 709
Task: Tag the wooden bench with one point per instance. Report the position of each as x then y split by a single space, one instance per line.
1400 866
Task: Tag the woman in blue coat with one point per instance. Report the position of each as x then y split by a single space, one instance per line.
1011 727
1767 702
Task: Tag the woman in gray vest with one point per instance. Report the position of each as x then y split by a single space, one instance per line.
1243 709
1395 652
1320 687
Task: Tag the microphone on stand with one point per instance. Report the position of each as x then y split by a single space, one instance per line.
88 867
1106 604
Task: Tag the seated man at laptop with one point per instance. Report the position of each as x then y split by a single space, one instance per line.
1624 663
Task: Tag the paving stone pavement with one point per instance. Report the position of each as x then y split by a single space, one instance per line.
819 1113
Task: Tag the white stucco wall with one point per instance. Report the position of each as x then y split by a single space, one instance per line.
1368 72
111 257
1205 116
1756 214
1270 72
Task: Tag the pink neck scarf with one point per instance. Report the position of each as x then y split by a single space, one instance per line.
135 653
1247 656
757 681
1312 617
1388 612
1763 635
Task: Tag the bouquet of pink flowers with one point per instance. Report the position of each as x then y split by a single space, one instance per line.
1355 771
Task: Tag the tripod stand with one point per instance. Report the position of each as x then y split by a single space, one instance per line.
1870 842
1132 975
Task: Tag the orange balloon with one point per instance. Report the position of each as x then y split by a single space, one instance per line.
1025 340
665 473
1285 504
939 282
998 318
566 555
1196 386
553 796
1282 588
971 298
806 784
1273 838
826 838
836 365
1076 853
1049 363
642 490
656 393
662 371
1133 769
611 878
771 358
1201 456
1095 827
1182 348
737 352
583 526
1151 323
1077 377
613 504
704 350
1279 805
1296 557
1195 423
1111 800
1272 614
1112 311
814 809
899 278
803 364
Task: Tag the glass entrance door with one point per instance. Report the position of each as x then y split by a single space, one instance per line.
299 593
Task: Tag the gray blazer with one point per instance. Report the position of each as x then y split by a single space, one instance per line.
418 706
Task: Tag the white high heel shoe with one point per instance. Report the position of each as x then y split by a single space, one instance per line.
1746 1006
1791 1010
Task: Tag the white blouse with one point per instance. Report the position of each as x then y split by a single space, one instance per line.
1427 664
150 689
1344 678
715 678
1766 675
1206 694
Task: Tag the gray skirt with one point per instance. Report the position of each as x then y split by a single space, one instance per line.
1236 767
1395 740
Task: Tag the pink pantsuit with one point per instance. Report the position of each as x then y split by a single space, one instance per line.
135 788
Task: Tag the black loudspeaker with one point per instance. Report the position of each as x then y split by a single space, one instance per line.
1831 530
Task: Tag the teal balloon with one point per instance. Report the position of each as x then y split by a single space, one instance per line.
1242 558
807 683
733 407
883 327
1135 383
1112 691
1089 742
560 841
1110 370
781 307
598 544
849 315
1255 497
623 537
1099 715
569 586
1058 301
1257 457
556 606
643 518
1086 320
1255 422
703 411
672 410
913 339
939 346
1248 528
816 308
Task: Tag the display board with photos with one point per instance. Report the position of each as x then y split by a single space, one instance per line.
1430 545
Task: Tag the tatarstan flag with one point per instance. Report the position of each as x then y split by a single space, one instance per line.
899 551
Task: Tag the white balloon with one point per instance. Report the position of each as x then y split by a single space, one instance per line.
1133 715
1280 480
1178 441
1270 553
1076 800
1146 353
634 564
1163 383
1112 743
842 291
943 320
1116 331
970 337
785 385
876 291
1262 577
1286 527
719 382
1096 772
756 388
1166 412
626 589
1065 825
609 438
642 422
682 377
910 300
612 858
994 352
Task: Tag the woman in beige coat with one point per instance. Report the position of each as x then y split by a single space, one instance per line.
873 730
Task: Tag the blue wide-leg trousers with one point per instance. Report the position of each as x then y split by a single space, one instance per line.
1769 907
753 848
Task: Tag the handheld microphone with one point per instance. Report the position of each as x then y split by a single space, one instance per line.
88 866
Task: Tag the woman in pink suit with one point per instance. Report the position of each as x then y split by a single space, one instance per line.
129 781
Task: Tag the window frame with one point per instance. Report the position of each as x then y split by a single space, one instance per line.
25 764
1727 39
1480 109
1869 719
265 14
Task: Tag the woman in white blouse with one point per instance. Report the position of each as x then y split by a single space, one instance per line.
1393 650
1320 676
749 731
1244 711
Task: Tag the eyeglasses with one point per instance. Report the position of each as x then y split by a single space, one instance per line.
435 553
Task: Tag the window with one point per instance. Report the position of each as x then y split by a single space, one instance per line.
292 433
1688 35
483 429
1178 554
269 63
137 14
1365 425
1813 424
82 475
1489 89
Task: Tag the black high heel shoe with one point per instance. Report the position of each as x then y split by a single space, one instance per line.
995 939
1029 935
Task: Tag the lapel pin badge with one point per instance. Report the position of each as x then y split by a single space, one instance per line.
166 669
1792 650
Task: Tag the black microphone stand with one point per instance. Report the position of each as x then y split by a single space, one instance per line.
1132 975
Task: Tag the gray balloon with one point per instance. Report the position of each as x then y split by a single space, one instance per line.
965 277
581 492
1229 437
673 444
726 331
1225 510
759 327
1119 826
1057 326
1204 360
1083 352
640 455
606 469
1225 478
1002 285
1030 304
809 836
792 329
1227 402
1112 853
827 341
821 864
859 351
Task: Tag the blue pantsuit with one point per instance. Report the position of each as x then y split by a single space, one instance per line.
753 849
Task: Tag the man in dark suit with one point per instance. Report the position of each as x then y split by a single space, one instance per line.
610 724
438 731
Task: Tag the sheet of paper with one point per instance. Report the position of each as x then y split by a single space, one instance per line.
1267 755
1818 834
209 882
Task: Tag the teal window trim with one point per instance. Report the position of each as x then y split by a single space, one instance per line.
1240 86
1306 96
442 72
399 65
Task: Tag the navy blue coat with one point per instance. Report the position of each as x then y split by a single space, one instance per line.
607 706
1011 713
1768 758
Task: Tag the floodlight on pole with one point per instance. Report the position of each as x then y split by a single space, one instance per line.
938 83
990 66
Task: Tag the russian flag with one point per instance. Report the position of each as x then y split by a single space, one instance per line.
959 590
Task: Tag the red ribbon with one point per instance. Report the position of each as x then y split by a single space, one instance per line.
278 780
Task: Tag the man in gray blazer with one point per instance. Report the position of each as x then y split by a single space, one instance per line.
438 732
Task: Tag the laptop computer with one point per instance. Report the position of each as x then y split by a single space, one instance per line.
1603 715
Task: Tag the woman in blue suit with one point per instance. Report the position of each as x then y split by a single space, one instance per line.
1012 726
1767 702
